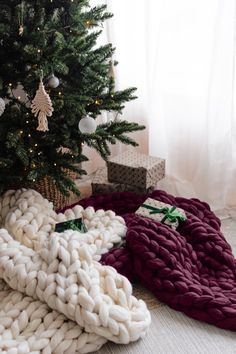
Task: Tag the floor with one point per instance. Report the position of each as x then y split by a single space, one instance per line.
172 332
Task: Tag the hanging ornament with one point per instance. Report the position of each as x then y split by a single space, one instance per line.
87 125
112 116
42 107
2 106
53 82
21 19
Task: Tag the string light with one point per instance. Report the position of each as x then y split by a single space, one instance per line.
39 50
29 135
30 150
18 97
10 84
97 102
21 132
27 122
59 93
38 29
54 164
35 144
88 23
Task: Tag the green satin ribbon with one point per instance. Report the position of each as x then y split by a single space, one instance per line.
171 214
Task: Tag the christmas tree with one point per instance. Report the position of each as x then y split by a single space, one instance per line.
49 53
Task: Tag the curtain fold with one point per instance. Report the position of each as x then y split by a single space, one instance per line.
181 56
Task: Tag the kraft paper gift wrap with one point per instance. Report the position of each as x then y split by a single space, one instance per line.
136 169
162 212
100 185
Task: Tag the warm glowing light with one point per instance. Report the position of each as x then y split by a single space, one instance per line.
29 135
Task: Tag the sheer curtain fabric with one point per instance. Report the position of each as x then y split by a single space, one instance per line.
181 56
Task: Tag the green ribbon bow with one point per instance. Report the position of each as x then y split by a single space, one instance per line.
170 213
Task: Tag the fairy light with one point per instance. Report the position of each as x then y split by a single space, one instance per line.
54 164
59 93
88 23
10 84
21 132
27 122
18 97
30 150
39 50
97 102
29 135
35 144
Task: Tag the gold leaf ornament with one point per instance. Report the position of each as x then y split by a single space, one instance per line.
42 107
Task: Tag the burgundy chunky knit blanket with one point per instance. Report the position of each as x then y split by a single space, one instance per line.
192 269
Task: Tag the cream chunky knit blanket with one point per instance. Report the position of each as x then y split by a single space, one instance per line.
54 295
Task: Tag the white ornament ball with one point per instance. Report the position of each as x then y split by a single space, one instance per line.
87 125
53 82
2 106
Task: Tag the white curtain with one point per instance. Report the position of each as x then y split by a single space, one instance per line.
181 56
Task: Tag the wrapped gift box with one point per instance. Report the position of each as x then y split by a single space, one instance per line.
136 169
162 212
75 224
100 185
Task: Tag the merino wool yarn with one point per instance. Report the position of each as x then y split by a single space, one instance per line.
54 295
192 268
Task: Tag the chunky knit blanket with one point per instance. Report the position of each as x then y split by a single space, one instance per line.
54 295
192 269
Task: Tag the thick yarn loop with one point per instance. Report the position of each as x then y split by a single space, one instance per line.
30 219
192 269
68 279
84 302
29 326
126 202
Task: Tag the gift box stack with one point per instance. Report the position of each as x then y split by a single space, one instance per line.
130 171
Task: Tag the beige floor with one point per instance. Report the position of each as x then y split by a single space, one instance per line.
172 332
